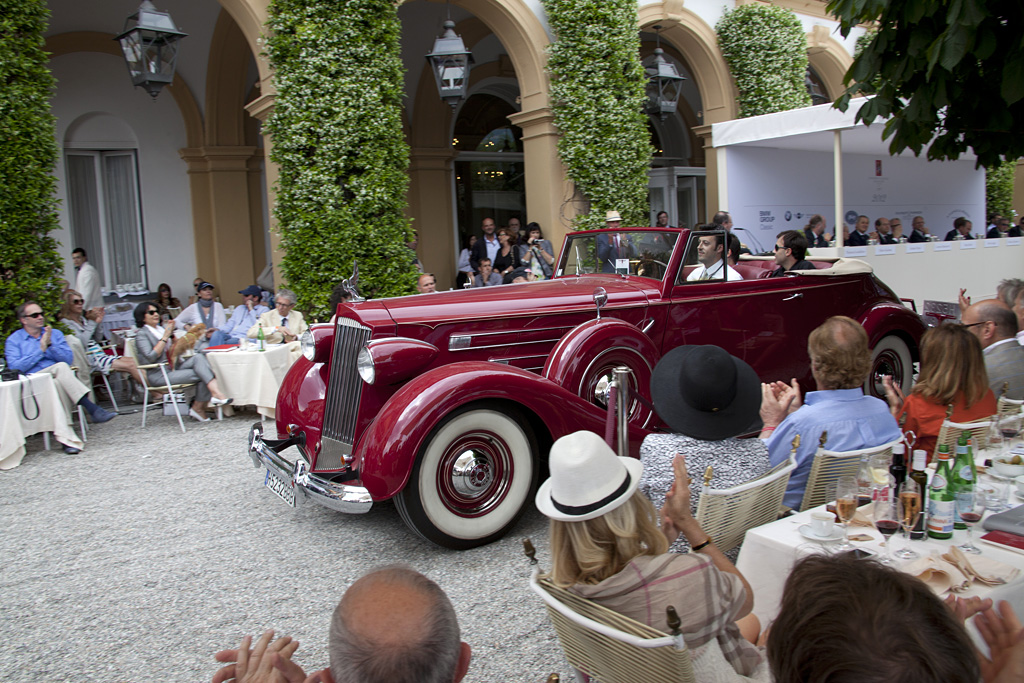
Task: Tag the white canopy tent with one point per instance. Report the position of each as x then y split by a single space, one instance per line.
776 170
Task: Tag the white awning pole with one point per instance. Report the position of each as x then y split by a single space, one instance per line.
837 165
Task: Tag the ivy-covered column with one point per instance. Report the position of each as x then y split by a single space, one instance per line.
29 264
597 94
766 50
338 143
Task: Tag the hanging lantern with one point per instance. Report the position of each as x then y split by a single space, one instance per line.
664 83
450 61
150 46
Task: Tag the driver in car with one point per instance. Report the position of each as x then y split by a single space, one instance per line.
711 255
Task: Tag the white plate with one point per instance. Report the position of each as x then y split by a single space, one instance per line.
805 531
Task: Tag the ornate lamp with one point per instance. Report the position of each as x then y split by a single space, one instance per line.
663 82
150 45
450 61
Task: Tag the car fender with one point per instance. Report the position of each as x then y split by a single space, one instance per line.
589 351
388 447
890 318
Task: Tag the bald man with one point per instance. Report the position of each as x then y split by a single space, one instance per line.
995 326
426 284
393 625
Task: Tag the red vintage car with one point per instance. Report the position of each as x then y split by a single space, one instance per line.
448 403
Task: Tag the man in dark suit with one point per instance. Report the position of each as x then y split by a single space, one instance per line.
487 247
961 230
613 246
815 232
884 231
920 233
859 237
790 249
1002 229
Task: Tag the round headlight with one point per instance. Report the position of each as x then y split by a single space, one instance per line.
364 364
307 345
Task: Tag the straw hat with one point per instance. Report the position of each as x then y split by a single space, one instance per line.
587 479
610 216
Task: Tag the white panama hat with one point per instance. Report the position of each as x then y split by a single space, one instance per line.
587 479
611 216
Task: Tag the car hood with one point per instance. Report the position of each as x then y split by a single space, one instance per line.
532 298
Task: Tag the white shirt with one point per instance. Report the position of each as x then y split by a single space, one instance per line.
88 284
713 273
492 247
191 316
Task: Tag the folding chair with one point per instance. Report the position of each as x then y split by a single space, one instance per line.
828 466
726 514
609 647
130 352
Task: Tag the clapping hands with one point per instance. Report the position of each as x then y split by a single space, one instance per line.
778 400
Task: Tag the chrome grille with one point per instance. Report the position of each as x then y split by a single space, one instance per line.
344 389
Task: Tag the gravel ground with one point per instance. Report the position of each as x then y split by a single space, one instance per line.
139 558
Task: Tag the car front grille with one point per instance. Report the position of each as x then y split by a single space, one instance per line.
344 389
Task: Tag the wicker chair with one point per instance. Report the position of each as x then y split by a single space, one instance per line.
950 433
828 466
1010 406
726 514
609 647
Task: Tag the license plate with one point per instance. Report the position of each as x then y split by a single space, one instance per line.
282 488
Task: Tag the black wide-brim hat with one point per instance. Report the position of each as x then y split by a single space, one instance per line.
705 393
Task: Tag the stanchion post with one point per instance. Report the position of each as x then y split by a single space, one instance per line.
621 375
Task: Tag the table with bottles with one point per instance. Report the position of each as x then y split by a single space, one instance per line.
252 377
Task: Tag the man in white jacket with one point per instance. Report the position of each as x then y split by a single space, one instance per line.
88 281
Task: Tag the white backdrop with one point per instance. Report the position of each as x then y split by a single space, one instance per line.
771 190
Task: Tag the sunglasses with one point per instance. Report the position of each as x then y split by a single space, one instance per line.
78 301
33 315
152 311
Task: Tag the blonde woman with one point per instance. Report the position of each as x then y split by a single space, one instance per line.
952 374
607 547
85 326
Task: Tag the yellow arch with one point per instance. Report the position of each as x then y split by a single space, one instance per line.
698 43
829 59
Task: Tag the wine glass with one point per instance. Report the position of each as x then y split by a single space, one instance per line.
887 521
970 507
908 507
846 507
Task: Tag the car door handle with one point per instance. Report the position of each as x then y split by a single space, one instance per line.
647 325
798 295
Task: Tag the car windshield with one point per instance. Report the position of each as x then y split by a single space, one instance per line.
627 252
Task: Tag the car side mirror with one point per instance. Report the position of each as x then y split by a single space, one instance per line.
600 299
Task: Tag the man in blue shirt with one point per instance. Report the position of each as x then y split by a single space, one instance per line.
244 317
37 347
840 363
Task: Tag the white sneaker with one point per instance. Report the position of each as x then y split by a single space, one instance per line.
196 416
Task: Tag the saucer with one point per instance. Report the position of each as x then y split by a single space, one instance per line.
805 531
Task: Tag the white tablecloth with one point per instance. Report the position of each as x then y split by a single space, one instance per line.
253 377
15 427
770 551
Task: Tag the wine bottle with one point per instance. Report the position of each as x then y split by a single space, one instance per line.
898 468
260 340
962 476
941 499
918 474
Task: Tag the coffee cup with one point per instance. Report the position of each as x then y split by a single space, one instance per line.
822 524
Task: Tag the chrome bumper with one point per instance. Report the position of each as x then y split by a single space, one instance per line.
340 497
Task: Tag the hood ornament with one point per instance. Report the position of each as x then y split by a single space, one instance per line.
351 285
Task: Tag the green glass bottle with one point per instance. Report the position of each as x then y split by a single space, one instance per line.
941 499
963 474
260 341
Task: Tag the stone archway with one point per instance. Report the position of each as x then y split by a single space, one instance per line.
829 59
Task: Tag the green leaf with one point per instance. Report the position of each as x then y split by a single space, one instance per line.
1013 79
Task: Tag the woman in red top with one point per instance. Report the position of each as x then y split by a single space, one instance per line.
952 374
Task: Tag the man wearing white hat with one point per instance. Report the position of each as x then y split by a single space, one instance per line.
613 247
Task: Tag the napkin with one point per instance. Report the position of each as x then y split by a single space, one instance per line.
980 568
863 517
938 574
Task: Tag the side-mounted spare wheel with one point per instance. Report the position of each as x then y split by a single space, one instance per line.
473 477
891 356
